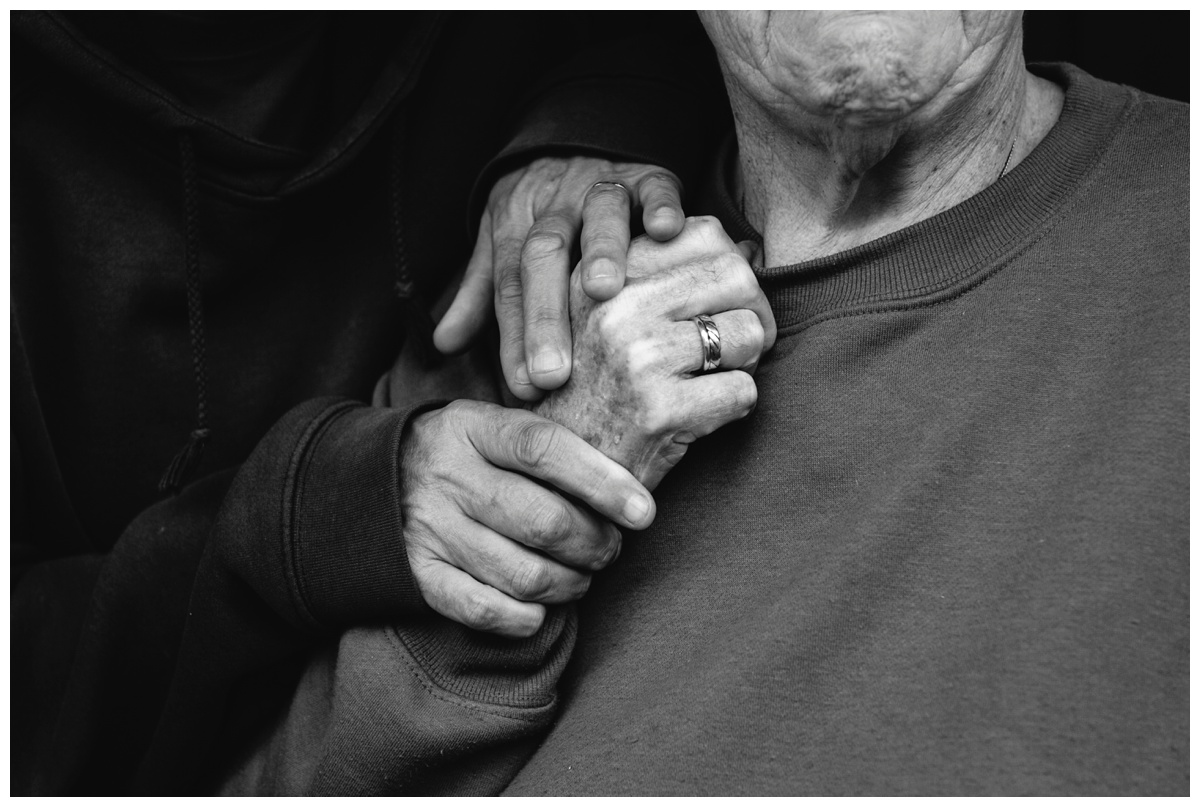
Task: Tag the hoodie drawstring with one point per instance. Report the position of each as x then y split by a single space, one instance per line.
185 462
417 321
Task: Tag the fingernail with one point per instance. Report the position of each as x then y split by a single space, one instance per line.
521 376
601 269
546 362
636 508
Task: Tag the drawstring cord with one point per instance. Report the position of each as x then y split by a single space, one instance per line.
185 462
417 321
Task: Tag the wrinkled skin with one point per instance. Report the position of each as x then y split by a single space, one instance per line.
858 68
636 393
487 544
521 261
508 510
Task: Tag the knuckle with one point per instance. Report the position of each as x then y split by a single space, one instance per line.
663 179
531 579
479 612
707 229
606 557
534 442
610 324
463 412
424 569
642 356
731 266
737 276
509 289
755 334
657 417
549 523
747 283
542 245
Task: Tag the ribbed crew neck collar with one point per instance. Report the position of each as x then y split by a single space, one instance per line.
942 254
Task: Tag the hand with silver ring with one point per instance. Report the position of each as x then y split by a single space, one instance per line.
639 391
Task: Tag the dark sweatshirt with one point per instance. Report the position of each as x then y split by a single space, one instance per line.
187 264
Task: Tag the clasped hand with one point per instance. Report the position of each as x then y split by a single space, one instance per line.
636 392
507 511
522 258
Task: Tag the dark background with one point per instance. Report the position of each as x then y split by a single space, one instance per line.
1148 50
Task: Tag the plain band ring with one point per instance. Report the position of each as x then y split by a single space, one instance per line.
610 182
710 342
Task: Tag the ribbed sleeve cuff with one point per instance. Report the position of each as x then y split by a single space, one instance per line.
519 673
345 538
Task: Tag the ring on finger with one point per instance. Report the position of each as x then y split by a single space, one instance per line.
610 182
710 343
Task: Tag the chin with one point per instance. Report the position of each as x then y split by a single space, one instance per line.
865 70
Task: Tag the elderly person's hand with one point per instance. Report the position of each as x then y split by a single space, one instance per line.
523 255
637 391
507 511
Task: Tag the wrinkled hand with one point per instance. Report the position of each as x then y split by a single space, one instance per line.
522 258
635 392
468 482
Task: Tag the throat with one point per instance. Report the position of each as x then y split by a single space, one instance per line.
813 195
817 202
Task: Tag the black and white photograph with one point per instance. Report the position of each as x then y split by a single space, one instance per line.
599 403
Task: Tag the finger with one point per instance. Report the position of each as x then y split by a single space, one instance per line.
701 239
605 239
524 511
752 252
713 400
513 569
545 281
662 210
741 338
748 250
469 311
522 441
456 595
510 315
717 282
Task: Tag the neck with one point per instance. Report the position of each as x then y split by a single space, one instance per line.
824 187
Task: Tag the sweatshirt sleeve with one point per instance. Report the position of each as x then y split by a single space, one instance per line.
425 707
130 660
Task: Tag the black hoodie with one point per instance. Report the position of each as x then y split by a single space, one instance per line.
232 280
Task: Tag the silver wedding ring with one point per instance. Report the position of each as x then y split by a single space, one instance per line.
610 182
710 343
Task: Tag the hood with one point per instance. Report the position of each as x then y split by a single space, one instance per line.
392 48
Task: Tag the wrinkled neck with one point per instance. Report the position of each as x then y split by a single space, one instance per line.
826 186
